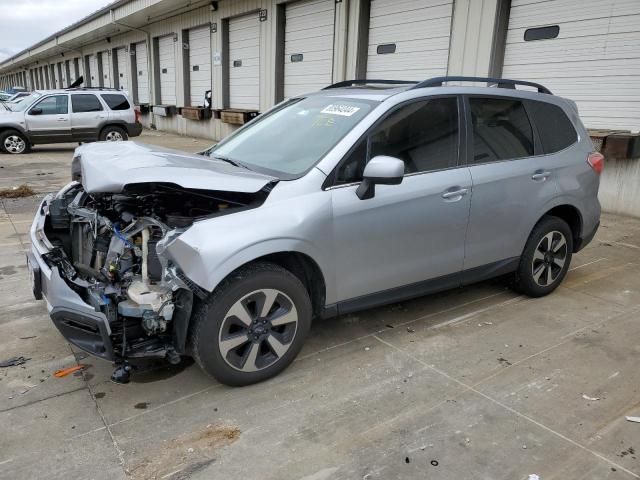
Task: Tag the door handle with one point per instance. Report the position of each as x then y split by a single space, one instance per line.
448 195
540 175
62 120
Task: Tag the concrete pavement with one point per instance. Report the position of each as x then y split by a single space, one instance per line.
475 383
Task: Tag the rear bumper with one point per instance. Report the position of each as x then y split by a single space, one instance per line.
134 129
76 320
585 240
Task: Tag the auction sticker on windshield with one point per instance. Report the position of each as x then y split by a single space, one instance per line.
343 110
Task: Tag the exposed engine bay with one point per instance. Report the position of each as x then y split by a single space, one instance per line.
108 247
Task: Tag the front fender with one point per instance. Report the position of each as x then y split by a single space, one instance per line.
210 250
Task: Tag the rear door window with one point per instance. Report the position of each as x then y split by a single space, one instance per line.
555 130
501 130
116 101
85 103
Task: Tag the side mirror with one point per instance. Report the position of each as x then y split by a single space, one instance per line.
35 111
381 170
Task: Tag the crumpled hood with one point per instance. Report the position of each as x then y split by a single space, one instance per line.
107 167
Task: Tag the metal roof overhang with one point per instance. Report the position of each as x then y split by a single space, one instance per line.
116 18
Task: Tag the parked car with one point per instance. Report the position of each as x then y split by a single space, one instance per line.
348 198
72 115
4 96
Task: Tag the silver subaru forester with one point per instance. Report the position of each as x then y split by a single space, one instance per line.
363 194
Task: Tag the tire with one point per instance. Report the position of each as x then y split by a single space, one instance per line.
14 142
235 342
113 133
540 272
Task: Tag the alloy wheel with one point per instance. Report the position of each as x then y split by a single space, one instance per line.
549 258
114 136
14 144
258 330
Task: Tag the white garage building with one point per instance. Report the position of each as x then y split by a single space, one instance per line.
253 53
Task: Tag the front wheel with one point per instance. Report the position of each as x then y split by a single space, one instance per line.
14 142
113 134
546 257
252 326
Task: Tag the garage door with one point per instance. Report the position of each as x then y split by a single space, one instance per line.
61 75
409 39
68 73
167 64
106 71
93 71
308 48
244 62
589 54
199 63
121 60
142 73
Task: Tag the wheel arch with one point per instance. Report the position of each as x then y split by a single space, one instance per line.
570 214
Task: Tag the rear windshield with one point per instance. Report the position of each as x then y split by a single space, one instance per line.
116 101
288 141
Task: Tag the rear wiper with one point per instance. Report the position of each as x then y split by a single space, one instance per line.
235 163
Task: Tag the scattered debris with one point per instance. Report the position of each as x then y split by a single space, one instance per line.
504 361
388 325
28 338
407 460
534 476
591 399
633 419
366 349
141 405
13 362
410 330
435 463
66 371
628 451
524 447
100 395
17 192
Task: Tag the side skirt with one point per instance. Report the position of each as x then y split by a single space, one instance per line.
420 289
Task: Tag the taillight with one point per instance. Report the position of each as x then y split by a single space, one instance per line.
596 161
138 115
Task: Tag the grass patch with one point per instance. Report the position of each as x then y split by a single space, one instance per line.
17 192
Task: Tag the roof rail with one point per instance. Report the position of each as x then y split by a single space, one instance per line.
107 89
501 82
350 83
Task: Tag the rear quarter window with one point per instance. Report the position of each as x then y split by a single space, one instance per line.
555 130
116 101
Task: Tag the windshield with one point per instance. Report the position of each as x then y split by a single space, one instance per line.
24 102
290 140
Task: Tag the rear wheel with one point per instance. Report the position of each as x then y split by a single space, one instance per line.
252 326
14 142
113 134
546 257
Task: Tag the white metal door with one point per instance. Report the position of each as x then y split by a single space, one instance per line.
167 64
308 47
121 81
244 62
594 60
106 70
409 39
199 63
142 72
93 71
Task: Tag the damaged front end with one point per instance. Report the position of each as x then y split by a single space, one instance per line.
109 248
